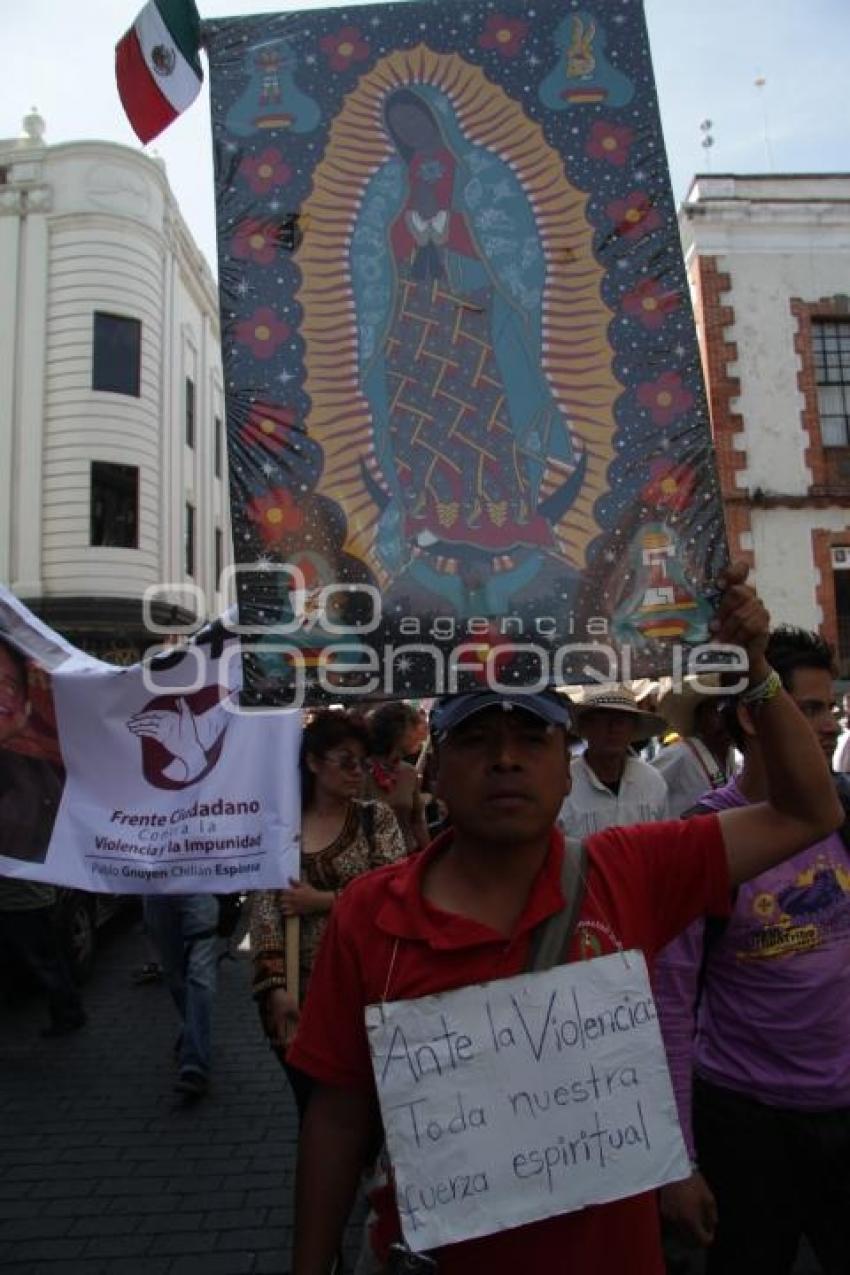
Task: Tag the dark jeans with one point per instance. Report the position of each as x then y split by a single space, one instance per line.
777 1175
29 935
183 929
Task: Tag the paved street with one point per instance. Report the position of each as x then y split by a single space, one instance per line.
102 1171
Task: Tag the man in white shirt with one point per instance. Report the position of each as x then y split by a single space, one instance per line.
611 786
703 757
841 756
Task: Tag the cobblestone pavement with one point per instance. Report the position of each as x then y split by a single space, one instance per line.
102 1171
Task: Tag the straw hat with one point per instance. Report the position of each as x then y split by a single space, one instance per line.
620 699
679 707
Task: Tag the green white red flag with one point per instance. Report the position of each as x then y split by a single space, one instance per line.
157 65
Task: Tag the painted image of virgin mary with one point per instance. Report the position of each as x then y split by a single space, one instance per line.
473 456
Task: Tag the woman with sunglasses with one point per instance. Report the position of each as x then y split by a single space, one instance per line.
341 837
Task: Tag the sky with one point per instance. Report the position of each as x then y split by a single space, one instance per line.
707 54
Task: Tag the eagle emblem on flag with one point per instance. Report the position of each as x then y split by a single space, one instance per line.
164 59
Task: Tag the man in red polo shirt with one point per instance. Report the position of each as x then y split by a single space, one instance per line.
463 912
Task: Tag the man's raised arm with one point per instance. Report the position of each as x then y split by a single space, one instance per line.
802 805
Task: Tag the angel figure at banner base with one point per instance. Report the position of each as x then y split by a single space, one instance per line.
659 603
583 76
271 101
472 461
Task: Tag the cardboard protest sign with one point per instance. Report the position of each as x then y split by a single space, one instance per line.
517 1100
140 780
467 427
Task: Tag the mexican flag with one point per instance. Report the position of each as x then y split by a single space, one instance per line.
157 65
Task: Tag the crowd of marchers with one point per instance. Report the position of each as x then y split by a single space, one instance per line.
714 838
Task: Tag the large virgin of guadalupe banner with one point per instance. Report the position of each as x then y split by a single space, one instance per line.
468 433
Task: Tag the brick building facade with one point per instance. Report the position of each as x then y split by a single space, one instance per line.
768 261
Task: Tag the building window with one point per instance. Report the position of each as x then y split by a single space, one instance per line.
114 505
841 580
219 559
190 539
116 354
218 443
190 412
831 349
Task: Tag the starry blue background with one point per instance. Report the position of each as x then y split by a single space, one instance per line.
640 354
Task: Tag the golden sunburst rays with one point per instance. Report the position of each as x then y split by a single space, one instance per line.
577 358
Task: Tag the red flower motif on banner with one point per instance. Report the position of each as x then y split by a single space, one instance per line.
265 171
269 426
610 142
276 515
666 398
255 241
634 216
263 332
504 35
343 48
650 303
670 486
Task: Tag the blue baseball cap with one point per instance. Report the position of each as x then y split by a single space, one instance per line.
449 711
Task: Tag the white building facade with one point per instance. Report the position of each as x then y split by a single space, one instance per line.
113 466
768 261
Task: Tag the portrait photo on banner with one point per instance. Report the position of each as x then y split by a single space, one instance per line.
468 434
32 774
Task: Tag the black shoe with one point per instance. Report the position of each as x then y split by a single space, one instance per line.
64 1028
192 1084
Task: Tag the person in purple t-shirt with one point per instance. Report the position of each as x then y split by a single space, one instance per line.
755 1013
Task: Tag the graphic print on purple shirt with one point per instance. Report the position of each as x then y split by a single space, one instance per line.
772 1019
799 906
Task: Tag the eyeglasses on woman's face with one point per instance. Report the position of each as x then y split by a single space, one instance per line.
346 761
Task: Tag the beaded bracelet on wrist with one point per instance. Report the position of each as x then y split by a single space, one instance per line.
763 691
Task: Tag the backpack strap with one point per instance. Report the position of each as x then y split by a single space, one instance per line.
706 761
551 937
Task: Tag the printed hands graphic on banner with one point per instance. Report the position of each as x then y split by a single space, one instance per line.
187 734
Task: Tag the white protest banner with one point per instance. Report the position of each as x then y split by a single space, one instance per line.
513 1101
146 779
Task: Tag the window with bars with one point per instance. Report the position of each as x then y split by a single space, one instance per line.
116 354
219 557
831 350
841 581
189 542
114 506
190 412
